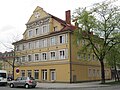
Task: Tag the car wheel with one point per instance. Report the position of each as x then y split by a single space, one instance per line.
11 85
26 86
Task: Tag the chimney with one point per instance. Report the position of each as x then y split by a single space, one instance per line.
68 17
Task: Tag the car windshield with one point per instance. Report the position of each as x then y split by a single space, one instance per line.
3 75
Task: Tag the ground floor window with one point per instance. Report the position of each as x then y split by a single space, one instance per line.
22 73
53 75
44 74
36 74
29 73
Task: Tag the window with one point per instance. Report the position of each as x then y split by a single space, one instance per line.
52 40
36 57
17 59
94 73
44 29
44 56
29 72
62 39
36 74
88 56
17 48
52 54
29 58
53 75
55 28
29 45
98 73
62 54
23 47
79 56
23 58
44 42
89 72
37 14
30 33
84 56
44 74
36 31
22 73
36 44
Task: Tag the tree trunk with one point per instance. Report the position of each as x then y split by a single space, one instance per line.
116 74
102 72
13 72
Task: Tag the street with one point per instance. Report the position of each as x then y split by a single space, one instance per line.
82 88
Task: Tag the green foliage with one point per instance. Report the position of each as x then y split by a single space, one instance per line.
103 20
113 57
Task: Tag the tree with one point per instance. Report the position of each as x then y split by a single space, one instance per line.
12 63
0 66
113 59
103 20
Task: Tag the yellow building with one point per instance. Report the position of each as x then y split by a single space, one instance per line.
48 54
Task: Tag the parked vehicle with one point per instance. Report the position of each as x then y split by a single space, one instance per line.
26 82
3 77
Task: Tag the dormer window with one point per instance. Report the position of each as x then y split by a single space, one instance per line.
55 28
37 14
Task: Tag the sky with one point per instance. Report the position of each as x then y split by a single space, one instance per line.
14 14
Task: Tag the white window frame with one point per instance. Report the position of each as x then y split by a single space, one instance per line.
23 58
62 54
36 31
28 58
44 42
44 74
36 44
63 39
44 56
52 40
36 58
53 55
30 33
44 29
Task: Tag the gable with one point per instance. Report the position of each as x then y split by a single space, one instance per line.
38 13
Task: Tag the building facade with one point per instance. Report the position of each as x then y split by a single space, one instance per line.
47 51
6 60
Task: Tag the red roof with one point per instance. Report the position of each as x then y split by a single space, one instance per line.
66 26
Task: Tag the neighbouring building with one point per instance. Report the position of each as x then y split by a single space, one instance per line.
47 51
6 60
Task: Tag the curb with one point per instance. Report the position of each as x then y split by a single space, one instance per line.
73 87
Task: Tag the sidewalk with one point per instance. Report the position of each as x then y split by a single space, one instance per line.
73 85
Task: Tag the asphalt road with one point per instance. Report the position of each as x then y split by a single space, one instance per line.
38 88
